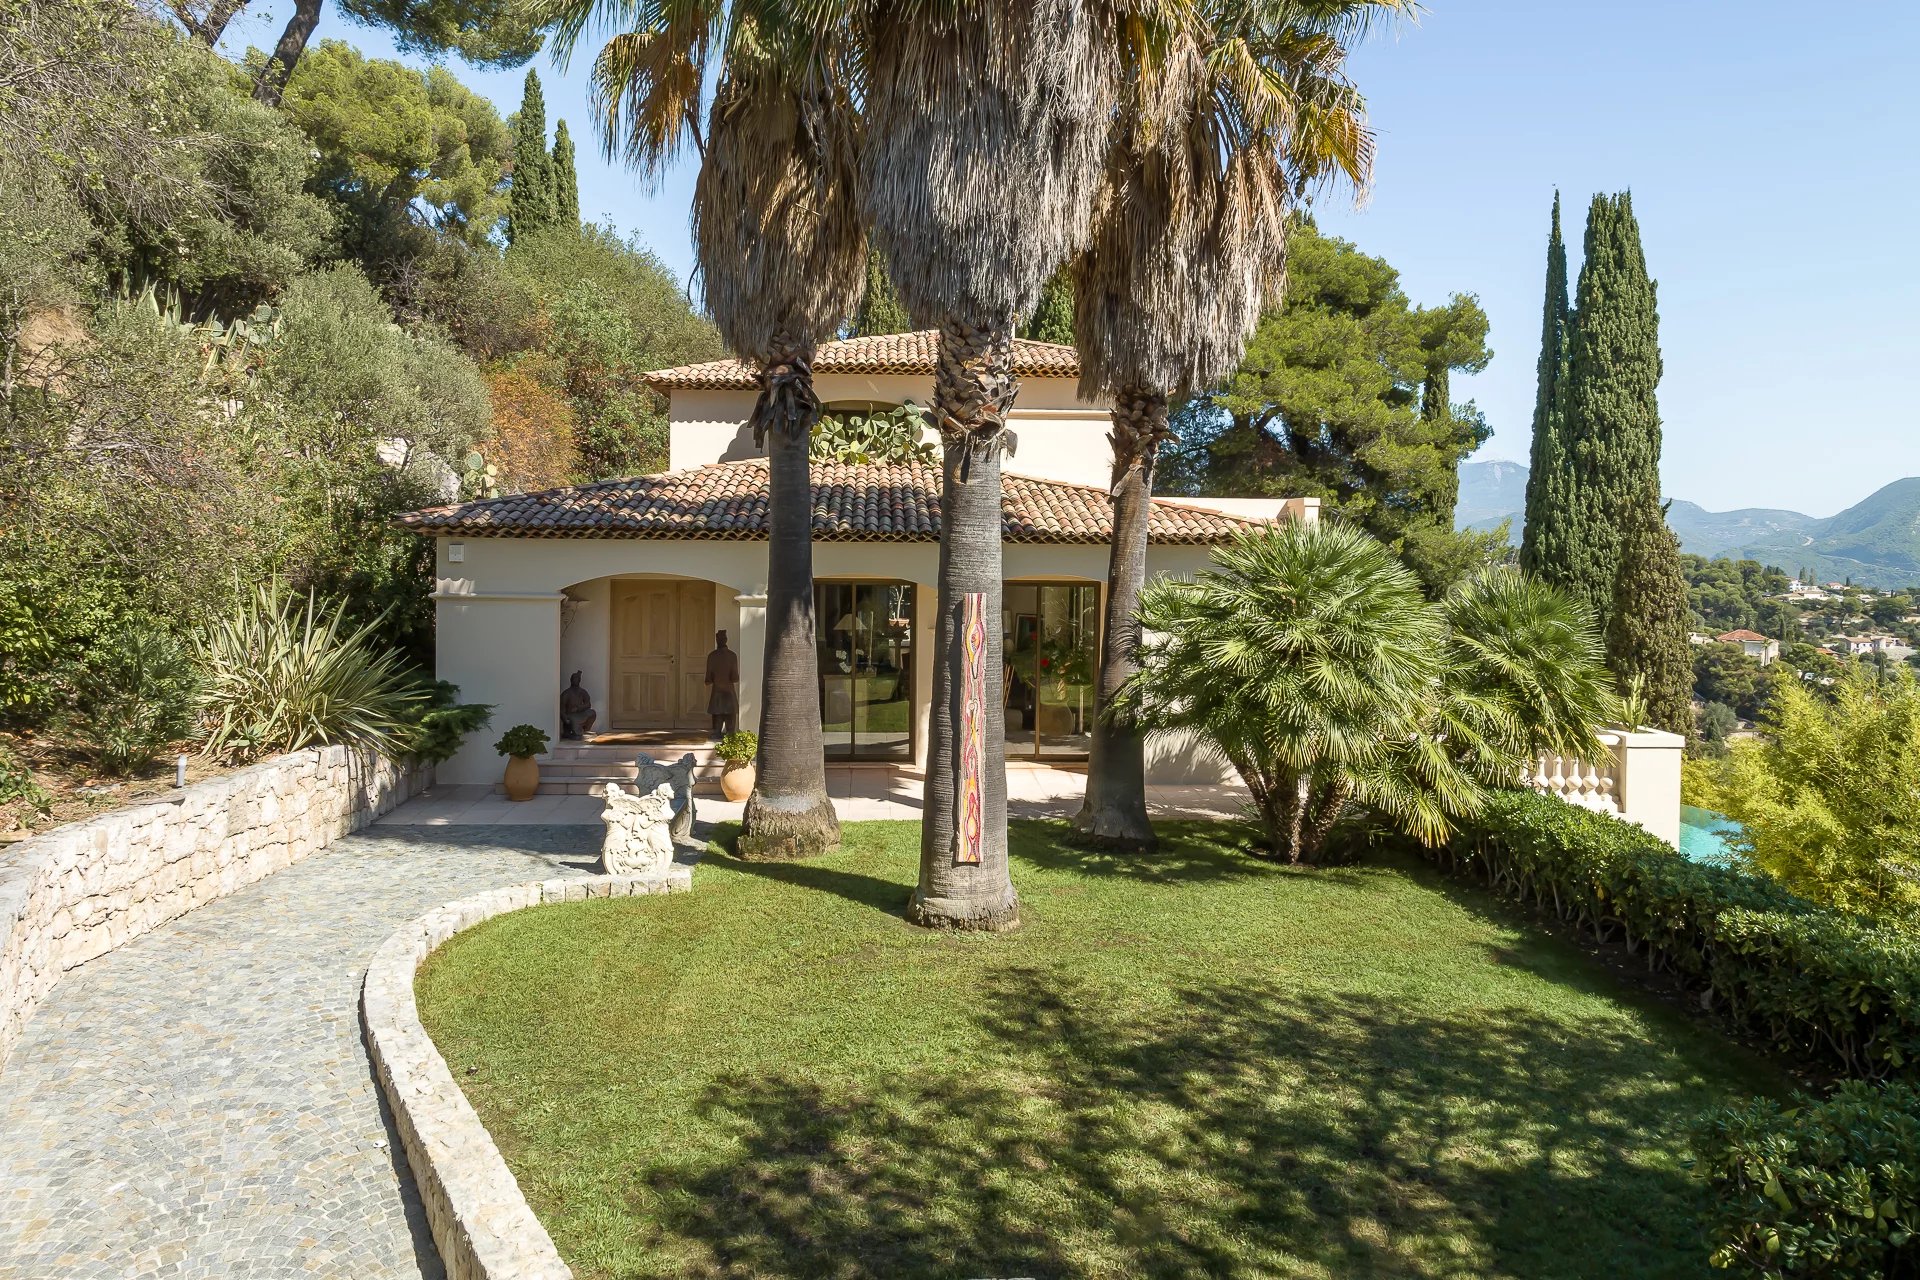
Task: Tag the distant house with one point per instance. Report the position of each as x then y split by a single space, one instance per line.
1752 643
1853 645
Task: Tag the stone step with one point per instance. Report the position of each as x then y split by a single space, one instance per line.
604 770
702 788
664 752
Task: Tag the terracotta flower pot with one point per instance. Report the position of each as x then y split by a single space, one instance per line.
736 781
523 777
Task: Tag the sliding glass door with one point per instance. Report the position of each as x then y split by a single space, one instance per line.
1052 639
866 669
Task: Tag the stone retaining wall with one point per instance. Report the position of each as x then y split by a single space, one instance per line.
80 890
481 1222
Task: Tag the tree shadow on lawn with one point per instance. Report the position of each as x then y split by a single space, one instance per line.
1245 1130
887 896
1191 851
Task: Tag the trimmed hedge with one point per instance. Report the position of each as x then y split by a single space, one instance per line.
1823 1188
1807 979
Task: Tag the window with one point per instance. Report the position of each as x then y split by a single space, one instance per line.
866 669
1051 638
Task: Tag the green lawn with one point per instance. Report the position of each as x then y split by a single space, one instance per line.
1194 1065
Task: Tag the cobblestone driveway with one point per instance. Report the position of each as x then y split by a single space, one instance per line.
198 1103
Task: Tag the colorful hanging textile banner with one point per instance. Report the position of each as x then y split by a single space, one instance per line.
971 791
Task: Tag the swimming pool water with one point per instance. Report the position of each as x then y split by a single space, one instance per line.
1705 835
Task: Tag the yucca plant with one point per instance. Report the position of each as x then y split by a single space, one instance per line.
280 675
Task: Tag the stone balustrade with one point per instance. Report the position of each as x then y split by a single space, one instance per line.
1637 779
79 891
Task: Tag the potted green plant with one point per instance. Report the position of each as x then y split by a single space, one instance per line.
520 745
737 749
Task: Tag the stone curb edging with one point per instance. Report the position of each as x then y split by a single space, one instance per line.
480 1221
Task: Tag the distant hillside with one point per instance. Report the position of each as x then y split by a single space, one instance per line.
1876 542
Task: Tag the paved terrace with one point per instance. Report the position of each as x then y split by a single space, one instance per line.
199 1103
861 793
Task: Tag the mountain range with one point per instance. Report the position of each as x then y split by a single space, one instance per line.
1875 542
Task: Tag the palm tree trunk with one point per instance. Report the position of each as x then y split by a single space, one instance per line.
272 81
789 814
1114 813
973 387
1323 811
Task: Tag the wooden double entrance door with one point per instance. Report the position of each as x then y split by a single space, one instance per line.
662 632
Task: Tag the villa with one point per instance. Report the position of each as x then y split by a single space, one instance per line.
626 581
1752 643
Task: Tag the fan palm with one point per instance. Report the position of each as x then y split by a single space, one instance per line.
1249 105
1312 659
986 125
781 244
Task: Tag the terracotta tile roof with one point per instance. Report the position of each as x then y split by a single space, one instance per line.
1729 637
882 353
875 502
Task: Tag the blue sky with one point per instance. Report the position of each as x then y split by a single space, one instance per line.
1770 151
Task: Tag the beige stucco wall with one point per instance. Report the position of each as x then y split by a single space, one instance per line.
509 636
1057 435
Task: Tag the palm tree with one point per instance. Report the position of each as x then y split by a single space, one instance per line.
1248 107
1312 659
781 243
985 130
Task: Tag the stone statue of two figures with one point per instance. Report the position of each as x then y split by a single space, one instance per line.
644 825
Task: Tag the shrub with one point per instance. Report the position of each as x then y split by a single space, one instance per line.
135 696
438 725
17 786
898 434
1828 986
533 431
279 677
522 740
1311 658
1825 798
1821 1188
738 747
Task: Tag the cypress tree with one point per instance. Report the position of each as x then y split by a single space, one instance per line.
881 310
1612 423
1052 318
531 202
566 180
1647 630
1549 514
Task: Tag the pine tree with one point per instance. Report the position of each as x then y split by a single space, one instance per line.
1647 629
566 180
1549 512
1052 318
532 197
1612 410
881 310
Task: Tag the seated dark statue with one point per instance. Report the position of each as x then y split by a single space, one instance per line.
576 710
